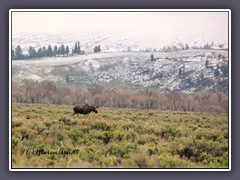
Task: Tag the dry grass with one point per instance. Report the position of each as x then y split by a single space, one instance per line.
118 138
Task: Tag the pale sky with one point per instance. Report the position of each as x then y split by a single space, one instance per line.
168 22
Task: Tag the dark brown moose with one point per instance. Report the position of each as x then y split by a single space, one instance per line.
86 109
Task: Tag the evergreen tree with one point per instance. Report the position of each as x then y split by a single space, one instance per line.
19 53
13 55
59 51
216 73
180 72
78 48
32 52
224 69
40 53
67 50
152 57
97 49
206 46
44 51
49 51
55 50
62 50
206 63
67 78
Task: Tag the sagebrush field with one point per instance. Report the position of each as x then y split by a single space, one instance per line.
117 138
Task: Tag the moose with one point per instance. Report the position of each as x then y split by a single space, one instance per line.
86 109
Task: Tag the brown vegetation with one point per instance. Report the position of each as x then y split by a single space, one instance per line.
47 92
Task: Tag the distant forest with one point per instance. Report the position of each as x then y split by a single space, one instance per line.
46 92
62 50
49 51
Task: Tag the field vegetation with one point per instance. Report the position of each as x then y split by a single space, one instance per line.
117 138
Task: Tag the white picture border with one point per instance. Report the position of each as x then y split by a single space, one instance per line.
112 10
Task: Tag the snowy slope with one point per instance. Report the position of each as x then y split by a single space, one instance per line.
183 70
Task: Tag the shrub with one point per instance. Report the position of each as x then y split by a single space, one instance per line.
67 121
152 150
128 126
111 161
26 134
120 150
141 161
75 135
115 150
118 136
48 124
155 139
15 142
17 124
169 161
140 129
101 126
104 136
169 132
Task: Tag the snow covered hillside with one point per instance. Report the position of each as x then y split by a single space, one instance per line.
186 70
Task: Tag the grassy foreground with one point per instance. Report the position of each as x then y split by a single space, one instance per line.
48 136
